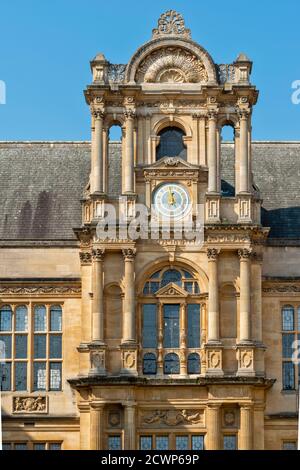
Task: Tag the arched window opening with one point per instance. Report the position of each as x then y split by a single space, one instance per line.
227 160
171 364
149 364
193 364
181 278
114 167
171 143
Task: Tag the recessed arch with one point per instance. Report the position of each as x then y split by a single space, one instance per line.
175 122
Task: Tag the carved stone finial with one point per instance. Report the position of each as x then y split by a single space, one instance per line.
171 23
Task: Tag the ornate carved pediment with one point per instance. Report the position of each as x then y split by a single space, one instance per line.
171 290
171 65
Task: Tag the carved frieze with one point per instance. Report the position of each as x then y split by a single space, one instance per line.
30 405
40 290
172 418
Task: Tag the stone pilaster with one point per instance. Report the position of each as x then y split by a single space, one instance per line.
245 295
98 301
246 435
213 424
212 152
96 426
97 153
244 151
129 342
129 152
130 425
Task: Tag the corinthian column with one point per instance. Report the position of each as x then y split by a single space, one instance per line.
98 303
245 441
213 296
129 335
244 152
245 295
212 153
97 153
129 152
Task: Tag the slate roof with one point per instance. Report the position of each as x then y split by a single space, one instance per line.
41 184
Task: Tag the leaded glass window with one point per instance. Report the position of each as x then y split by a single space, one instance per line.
193 364
182 442
20 446
21 376
21 318
55 347
193 337
171 325
288 314
39 376
290 336
288 376
6 318
55 375
55 318
290 445
39 446
182 278
171 364
114 443
5 376
54 446
171 144
21 346
146 443
162 443
149 364
40 346
171 276
197 442
149 329
40 318
230 443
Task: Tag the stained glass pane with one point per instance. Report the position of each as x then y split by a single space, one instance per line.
5 376
21 446
171 144
287 345
149 364
114 443
162 443
5 346
171 364
39 382
55 347
171 326
288 376
21 346
40 318
40 346
154 287
197 442
193 337
55 318
39 446
171 276
229 442
288 318
149 332
194 364
21 376
21 318
5 318
54 446
55 376
146 443
182 443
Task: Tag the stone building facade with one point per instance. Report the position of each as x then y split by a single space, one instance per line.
156 342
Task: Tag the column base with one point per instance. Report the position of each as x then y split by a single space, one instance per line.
129 360
214 359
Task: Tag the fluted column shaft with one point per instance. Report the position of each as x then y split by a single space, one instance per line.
129 334
212 153
213 297
98 301
244 153
129 153
246 436
96 426
97 153
130 425
213 439
245 295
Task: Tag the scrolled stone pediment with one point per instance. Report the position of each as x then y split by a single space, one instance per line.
171 65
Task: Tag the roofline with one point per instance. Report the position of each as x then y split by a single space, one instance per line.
88 142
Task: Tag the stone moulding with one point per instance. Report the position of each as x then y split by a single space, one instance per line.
30 405
41 290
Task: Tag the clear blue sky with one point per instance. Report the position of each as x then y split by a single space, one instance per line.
45 48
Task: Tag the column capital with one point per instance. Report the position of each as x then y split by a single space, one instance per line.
243 114
98 254
245 254
129 254
98 113
257 258
213 254
85 258
130 114
212 114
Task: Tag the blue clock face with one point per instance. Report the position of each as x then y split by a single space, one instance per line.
172 201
